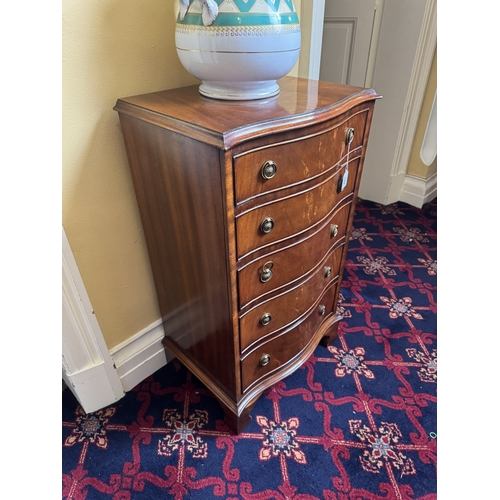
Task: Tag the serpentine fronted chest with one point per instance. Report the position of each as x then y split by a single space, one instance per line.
246 208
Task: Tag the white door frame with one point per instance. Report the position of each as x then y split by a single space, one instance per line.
416 90
422 64
318 16
87 366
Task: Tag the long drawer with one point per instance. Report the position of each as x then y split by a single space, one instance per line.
282 310
269 357
273 271
296 160
290 216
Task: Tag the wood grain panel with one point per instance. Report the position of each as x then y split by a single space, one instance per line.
290 305
290 263
225 124
291 215
297 159
285 347
178 189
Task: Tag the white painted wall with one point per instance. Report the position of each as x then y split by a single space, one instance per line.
400 32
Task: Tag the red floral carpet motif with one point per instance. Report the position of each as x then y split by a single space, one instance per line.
356 421
184 433
384 449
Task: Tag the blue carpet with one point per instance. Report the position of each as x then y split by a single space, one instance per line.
356 421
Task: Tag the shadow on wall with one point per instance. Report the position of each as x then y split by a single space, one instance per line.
111 49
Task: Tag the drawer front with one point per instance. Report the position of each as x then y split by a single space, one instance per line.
294 161
284 309
290 263
293 215
270 356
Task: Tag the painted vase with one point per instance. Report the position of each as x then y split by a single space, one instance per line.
238 48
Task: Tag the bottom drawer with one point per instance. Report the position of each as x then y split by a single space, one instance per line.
267 358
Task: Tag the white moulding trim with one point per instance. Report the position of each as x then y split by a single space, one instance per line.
417 191
141 355
416 91
318 17
87 366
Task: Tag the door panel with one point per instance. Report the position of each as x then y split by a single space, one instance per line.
347 34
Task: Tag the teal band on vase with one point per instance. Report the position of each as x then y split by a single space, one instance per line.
246 5
240 19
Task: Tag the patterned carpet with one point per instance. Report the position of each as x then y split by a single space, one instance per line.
357 421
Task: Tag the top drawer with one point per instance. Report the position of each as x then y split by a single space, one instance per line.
296 160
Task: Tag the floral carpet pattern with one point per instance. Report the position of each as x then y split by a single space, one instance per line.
356 421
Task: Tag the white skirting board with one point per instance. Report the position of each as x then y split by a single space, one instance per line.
141 355
97 376
417 191
87 367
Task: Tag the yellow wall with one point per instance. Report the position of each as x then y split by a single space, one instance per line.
111 49
415 165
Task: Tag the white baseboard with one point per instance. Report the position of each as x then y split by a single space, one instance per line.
87 367
141 355
417 191
92 388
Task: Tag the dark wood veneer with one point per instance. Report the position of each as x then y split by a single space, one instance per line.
293 158
290 263
225 124
288 305
292 215
281 352
195 165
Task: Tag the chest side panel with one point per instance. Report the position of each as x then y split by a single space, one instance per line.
180 193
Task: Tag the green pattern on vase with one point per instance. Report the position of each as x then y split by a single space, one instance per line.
224 19
267 15
244 6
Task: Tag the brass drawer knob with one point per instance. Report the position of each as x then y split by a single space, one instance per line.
328 271
266 319
265 360
268 170
267 271
334 229
349 136
322 310
266 226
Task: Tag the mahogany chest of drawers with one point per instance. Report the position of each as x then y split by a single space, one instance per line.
246 208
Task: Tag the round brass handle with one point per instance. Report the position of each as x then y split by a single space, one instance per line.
322 310
265 360
334 229
268 170
267 271
328 271
349 136
266 319
266 226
